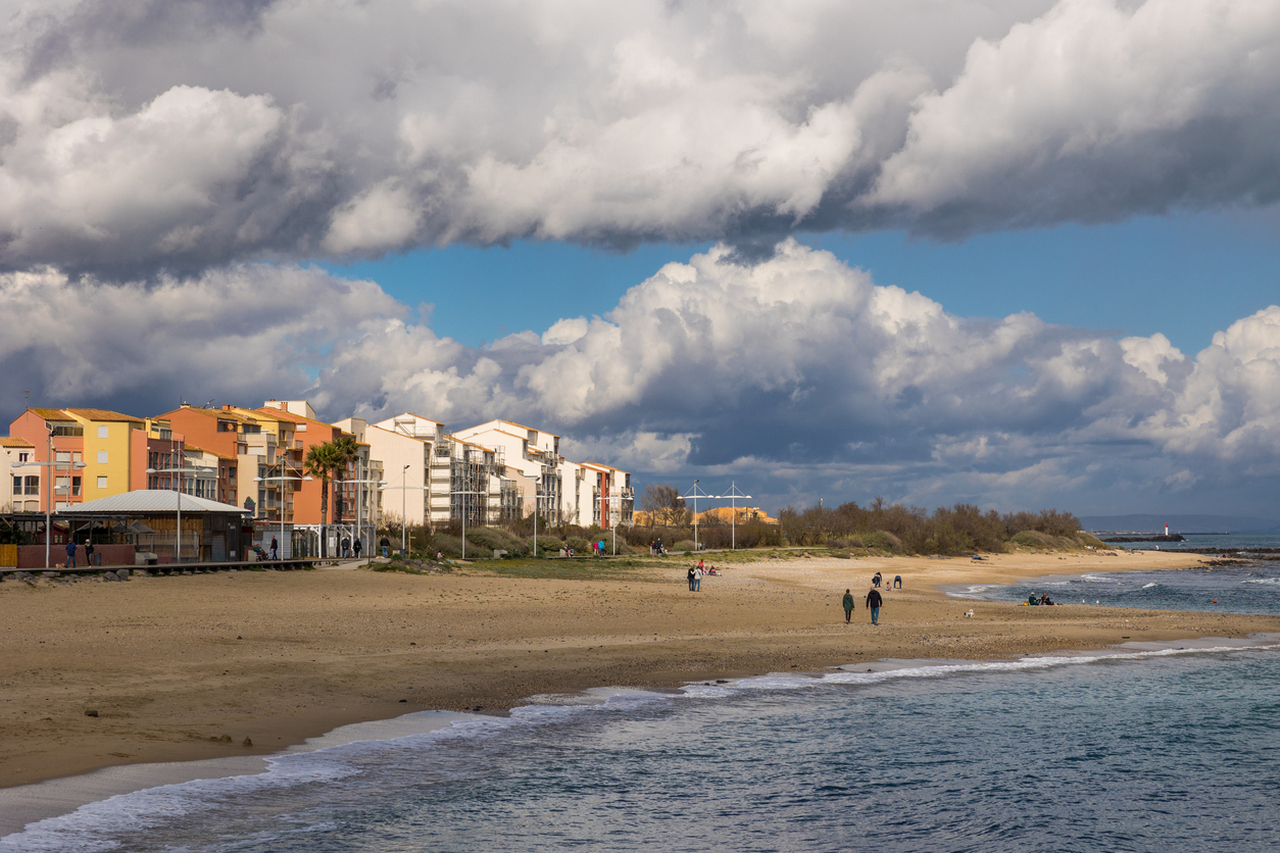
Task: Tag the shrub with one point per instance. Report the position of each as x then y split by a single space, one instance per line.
491 539
683 545
1033 539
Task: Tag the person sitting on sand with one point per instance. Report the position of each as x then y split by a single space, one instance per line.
1032 600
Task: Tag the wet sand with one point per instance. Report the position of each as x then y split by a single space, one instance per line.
188 668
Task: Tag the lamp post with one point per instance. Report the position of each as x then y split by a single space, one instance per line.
404 488
48 493
464 517
733 496
177 550
696 493
359 483
282 479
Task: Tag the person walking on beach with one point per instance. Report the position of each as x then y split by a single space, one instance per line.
346 547
691 571
386 546
697 578
275 547
848 605
357 547
873 602
71 555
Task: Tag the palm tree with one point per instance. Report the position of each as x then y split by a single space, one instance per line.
320 462
345 451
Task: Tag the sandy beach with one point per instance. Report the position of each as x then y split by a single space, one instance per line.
189 668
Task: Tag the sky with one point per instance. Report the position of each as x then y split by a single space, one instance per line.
1016 254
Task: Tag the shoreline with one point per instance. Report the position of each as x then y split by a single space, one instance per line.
175 665
24 805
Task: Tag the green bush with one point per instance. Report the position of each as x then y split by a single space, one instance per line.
579 545
492 538
1033 539
683 545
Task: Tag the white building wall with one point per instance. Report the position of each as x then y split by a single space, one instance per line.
395 450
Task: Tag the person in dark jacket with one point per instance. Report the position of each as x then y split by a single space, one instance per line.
71 555
874 601
386 545
848 606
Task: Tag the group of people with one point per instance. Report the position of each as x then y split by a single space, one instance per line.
71 554
656 549
873 601
697 572
1042 600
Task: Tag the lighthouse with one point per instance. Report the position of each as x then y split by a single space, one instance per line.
1166 529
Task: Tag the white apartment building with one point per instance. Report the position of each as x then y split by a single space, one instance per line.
535 455
442 478
597 494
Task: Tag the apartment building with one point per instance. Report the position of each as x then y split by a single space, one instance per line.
441 478
534 454
597 494
348 496
19 490
96 452
226 435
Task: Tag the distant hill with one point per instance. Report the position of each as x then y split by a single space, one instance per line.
1179 523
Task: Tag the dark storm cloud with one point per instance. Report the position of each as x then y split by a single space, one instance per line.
137 137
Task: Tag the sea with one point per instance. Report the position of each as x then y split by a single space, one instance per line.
1171 747
1247 581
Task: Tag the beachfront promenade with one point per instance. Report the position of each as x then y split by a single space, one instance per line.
123 572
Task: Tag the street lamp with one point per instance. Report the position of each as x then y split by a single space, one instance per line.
696 493
177 550
733 496
47 494
358 503
464 518
282 502
404 488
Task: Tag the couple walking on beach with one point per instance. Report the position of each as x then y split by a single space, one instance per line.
874 603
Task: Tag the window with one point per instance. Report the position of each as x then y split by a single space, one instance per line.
75 456
102 457
62 456
102 482
102 432
75 485
24 456
66 429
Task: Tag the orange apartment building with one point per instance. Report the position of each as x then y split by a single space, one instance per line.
245 446
298 418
